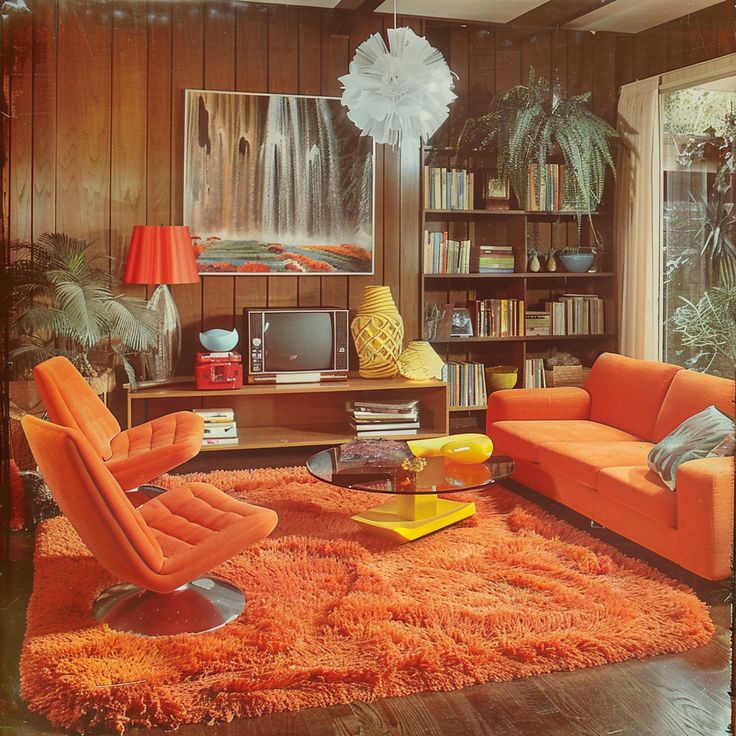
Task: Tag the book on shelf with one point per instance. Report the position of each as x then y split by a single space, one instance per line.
386 407
534 373
577 314
220 429
537 323
495 259
384 424
466 383
444 255
380 433
498 317
209 441
225 414
448 188
550 189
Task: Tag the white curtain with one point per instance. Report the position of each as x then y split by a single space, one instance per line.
637 220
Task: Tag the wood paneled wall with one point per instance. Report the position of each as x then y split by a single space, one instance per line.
96 134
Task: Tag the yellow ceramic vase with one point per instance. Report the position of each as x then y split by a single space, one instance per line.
419 362
378 333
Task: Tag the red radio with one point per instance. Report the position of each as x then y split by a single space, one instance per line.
218 370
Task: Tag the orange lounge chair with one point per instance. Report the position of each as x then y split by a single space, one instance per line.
134 456
162 548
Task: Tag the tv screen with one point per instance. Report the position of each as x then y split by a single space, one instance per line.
296 341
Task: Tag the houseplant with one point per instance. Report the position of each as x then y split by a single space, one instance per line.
530 123
64 304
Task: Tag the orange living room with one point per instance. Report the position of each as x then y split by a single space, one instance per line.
369 367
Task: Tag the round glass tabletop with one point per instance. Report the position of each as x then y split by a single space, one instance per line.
386 474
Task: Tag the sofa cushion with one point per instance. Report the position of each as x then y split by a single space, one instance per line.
694 439
628 393
521 439
582 461
641 490
690 393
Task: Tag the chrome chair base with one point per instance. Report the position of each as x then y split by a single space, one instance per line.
203 605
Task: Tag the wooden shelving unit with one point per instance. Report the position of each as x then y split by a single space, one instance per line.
297 415
518 228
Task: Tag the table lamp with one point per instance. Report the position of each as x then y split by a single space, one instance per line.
162 254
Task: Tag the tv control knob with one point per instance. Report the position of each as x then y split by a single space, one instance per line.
256 342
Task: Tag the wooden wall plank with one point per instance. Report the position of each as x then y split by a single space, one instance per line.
218 292
83 121
128 181
44 118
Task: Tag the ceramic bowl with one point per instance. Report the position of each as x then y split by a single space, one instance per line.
501 376
577 262
219 341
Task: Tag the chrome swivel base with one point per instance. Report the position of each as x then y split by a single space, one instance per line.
203 605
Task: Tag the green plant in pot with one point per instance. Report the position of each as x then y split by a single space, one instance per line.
531 123
63 304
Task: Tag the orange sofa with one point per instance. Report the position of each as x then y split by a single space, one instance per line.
587 448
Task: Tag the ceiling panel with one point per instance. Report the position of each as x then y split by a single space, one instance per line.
493 11
309 3
632 16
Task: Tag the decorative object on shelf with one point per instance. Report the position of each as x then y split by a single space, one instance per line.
162 254
500 377
465 449
526 122
277 184
551 261
219 341
420 362
709 325
566 375
378 333
437 321
462 323
576 262
534 264
62 304
400 93
496 192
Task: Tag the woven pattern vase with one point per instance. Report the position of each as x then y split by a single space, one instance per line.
378 333
419 362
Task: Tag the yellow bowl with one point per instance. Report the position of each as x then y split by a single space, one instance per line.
501 376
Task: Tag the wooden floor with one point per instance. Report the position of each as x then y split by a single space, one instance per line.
677 695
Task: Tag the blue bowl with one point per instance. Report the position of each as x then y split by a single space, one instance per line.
219 341
577 262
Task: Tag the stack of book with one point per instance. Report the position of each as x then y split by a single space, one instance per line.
534 373
374 419
443 255
577 314
496 259
466 383
538 323
219 426
498 317
448 189
549 189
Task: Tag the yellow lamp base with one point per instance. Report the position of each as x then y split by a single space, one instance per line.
408 517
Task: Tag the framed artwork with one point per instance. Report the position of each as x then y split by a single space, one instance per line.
277 184
462 323
497 188
437 320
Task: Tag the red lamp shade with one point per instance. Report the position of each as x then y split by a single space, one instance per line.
161 254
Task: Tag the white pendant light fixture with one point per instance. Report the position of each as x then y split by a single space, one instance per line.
399 93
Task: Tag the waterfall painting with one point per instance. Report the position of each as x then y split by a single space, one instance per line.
277 184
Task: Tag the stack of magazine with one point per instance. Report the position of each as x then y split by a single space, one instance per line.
376 419
219 426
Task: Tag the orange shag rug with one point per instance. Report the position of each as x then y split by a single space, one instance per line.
336 615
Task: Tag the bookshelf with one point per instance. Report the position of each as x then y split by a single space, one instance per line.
520 229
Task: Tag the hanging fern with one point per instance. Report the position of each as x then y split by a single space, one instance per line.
62 304
525 122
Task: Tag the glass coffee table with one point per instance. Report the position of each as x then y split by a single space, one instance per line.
415 509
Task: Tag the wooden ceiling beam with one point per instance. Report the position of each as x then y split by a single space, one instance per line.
352 13
555 13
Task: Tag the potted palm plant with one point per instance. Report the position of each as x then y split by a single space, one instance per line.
64 304
531 123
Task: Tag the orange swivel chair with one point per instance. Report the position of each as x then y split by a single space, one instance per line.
162 548
134 456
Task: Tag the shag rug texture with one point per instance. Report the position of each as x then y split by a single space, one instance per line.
335 614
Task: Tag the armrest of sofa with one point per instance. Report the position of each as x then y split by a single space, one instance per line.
538 403
705 490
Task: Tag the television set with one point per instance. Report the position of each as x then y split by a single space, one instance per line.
296 345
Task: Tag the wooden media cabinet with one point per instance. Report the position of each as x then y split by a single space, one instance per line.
298 414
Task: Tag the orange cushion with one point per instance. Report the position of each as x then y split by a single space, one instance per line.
690 393
628 393
198 526
521 439
641 490
582 461
142 453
